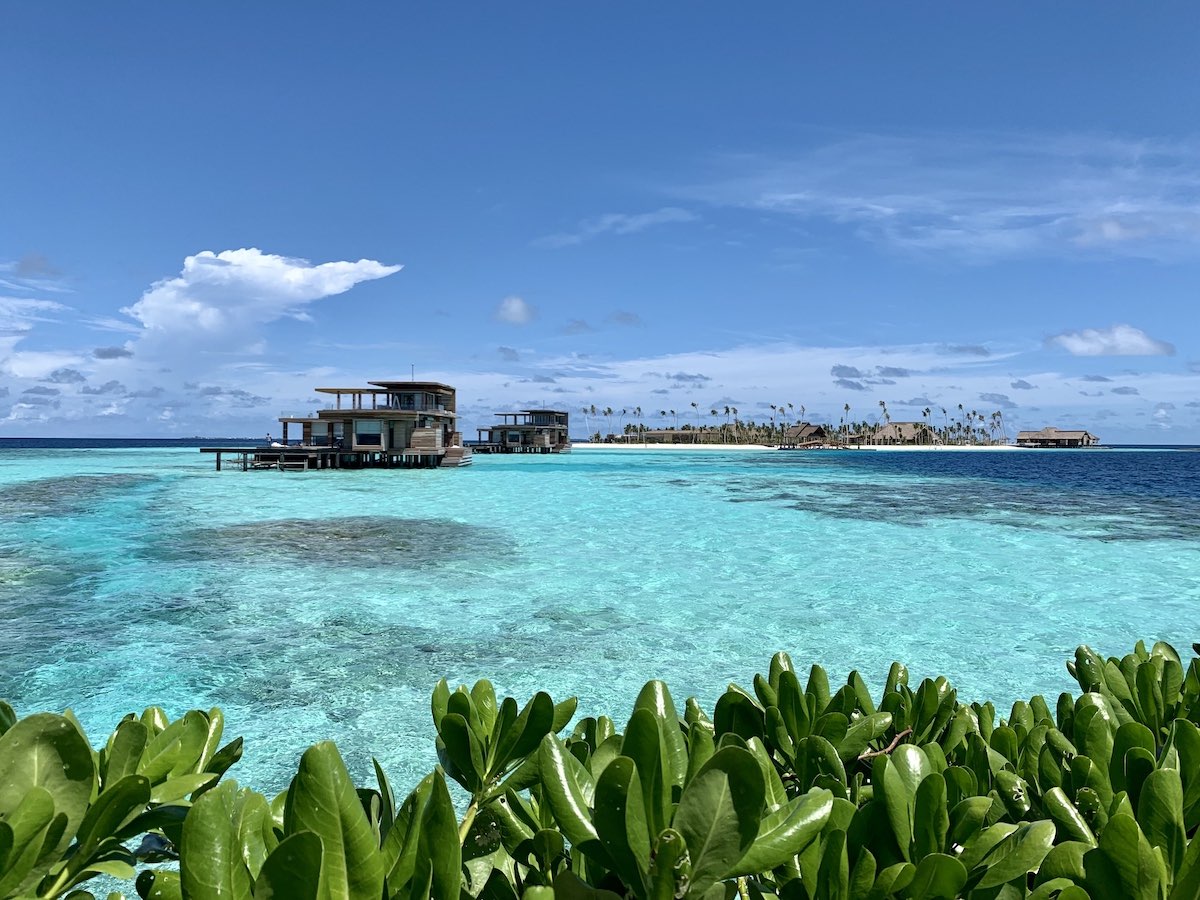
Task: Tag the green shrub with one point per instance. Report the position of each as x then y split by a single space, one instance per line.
789 791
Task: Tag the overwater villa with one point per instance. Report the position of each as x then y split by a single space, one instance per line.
1055 437
526 431
407 424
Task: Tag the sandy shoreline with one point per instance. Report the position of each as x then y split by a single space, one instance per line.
700 448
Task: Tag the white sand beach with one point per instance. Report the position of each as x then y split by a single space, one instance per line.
701 448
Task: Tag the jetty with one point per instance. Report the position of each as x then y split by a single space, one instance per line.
391 424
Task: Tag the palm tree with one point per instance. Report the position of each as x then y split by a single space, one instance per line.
736 436
960 418
675 416
845 416
696 407
586 424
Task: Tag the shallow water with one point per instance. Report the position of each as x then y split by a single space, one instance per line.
326 605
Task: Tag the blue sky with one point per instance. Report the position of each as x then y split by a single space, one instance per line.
207 212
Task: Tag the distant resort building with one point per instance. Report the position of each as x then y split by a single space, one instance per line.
526 431
803 435
904 433
408 424
1054 437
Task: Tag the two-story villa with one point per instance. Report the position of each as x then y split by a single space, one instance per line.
526 431
389 423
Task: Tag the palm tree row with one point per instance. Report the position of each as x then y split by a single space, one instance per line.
726 426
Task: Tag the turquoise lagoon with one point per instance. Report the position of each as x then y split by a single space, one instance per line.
326 605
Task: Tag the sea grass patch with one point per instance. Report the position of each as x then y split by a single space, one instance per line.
361 542
71 495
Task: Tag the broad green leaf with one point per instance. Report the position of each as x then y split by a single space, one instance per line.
937 877
159 885
124 751
786 832
24 833
1021 852
112 811
656 697
931 818
210 860
719 814
620 818
292 871
1160 815
566 798
437 846
322 800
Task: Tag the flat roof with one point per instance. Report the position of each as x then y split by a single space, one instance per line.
384 386
413 385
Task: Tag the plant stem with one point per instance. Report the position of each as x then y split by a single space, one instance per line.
468 819
743 889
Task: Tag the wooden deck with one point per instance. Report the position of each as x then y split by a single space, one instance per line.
308 459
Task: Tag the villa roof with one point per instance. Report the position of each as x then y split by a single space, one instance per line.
413 385
380 386
1052 433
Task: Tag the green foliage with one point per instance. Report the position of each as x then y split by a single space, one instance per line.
67 811
793 790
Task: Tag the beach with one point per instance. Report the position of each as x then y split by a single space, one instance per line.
728 448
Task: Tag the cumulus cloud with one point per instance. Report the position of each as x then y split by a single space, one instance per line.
1125 391
1096 378
1001 400
1120 340
225 293
892 372
112 353
577 326
66 376
109 387
508 354
849 384
515 311
840 371
1021 385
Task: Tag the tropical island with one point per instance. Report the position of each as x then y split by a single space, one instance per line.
787 428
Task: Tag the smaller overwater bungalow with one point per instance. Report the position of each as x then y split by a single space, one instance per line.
526 431
390 424
1056 437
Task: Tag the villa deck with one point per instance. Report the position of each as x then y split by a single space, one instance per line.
307 458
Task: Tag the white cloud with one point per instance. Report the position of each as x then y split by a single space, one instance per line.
982 196
226 292
616 223
1120 340
515 311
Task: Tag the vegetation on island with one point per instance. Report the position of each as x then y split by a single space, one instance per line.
789 790
725 425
